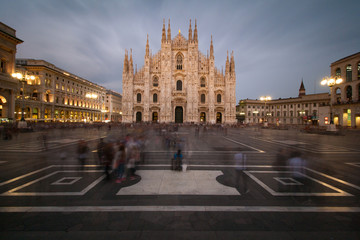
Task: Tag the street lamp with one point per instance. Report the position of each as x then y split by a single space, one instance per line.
265 99
23 79
331 82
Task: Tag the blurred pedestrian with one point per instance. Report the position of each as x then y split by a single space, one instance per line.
281 161
100 150
82 151
241 178
120 159
178 157
108 158
297 168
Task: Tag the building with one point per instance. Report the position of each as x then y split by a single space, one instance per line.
113 103
303 109
345 97
50 93
8 85
179 84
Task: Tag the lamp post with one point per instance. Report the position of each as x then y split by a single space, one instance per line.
331 82
23 79
265 99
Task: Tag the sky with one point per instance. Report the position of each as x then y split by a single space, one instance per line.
276 43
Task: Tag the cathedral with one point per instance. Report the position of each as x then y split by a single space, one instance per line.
179 84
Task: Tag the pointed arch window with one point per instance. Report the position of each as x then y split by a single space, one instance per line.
348 73
155 98
179 85
138 97
202 82
155 81
179 62
218 98
202 98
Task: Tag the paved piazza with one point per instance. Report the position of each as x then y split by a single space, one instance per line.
47 193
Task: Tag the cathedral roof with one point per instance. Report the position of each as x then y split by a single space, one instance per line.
179 41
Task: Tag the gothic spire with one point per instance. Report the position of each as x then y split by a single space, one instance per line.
126 62
302 91
211 48
195 33
190 32
163 37
169 32
147 46
227 65
232 63
131 66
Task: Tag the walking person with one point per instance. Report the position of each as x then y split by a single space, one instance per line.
120 158
82 151
108 158
178 157
100 150
241 178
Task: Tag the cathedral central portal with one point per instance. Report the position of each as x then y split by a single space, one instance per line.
179 75
179 115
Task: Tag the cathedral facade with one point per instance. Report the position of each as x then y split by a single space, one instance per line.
179 84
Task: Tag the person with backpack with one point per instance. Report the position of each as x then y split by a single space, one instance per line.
178 157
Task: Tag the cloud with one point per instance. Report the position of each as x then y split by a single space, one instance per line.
275 43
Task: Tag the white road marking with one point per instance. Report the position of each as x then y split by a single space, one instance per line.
13 192
355 164
339 192
333 178
43 169
291 143
231 140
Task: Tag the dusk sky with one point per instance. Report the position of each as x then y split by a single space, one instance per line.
275 43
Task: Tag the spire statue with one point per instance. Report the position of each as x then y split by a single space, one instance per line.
163 37
169 32
190 32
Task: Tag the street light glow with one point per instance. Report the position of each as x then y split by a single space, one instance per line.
265 98
331 81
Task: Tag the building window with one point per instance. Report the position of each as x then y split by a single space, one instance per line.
57 86
179 85
3 66
155 98
338 72
314 104
358 70
349 93
202 82
138 97
155 81
306 105
202 98
348 73
284 114
218 98
179 62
